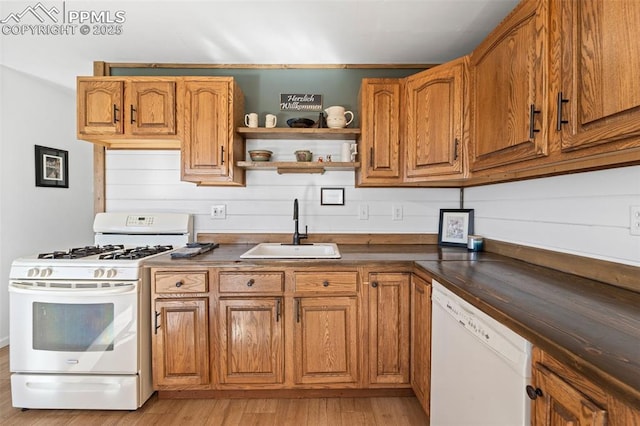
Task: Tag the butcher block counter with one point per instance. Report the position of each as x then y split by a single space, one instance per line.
591 326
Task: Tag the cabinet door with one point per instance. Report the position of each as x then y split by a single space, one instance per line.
600 64
151 107
206 137
389 328
100 104
421 340
380 145
325 340
251 340
509 89
434 122
561 404
181 342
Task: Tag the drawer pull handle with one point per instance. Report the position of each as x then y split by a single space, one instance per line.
374 284
325 283
179 284
532 392
251 282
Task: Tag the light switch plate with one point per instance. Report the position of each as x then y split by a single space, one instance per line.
634 221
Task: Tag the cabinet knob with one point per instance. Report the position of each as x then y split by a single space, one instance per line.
251 282
325 283
532 392
179 284
374 284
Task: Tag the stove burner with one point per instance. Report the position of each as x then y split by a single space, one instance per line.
135 253
76 253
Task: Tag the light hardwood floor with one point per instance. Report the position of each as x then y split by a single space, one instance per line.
314 411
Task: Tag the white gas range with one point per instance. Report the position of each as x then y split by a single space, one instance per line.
81 318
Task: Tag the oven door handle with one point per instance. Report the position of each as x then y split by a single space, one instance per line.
17 287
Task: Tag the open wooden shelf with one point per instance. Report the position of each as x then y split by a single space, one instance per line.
298 133
298 167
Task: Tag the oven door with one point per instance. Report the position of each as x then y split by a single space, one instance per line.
74 328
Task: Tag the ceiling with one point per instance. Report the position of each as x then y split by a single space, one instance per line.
244 32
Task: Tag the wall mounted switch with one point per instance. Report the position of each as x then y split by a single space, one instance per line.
396 212
635 220
363 212
219 211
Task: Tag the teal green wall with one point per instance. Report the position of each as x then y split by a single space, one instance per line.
262 86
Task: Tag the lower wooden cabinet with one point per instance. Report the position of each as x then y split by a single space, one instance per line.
421 340
251 340
389 328
295 328
181 342
562 396
325 340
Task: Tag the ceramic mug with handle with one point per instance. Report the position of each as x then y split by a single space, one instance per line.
251 119
270 121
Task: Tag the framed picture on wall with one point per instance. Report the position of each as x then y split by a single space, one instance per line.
52 167
455 227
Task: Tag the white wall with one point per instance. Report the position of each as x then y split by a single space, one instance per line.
587 214
35 219
584 213
150 180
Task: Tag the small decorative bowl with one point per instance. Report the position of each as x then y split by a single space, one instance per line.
260 155
300 122
303 155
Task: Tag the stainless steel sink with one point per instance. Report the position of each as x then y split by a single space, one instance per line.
290 251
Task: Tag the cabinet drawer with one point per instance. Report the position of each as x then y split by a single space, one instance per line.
181 282
251 282
326 282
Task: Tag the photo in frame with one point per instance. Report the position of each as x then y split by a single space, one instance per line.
52 167
332 196
455 227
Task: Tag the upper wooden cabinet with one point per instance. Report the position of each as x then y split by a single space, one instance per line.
128 112
213 108
598 99
435 122
509 89
380 144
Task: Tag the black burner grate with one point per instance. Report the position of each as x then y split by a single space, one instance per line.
135 253
79 252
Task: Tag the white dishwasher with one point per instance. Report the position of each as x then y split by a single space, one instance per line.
479 367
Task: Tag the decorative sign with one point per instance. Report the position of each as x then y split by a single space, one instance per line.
300 102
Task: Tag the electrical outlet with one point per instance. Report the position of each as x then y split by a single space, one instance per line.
634 222
219 211
363 212
396 212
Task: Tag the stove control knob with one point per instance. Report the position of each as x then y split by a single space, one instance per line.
46 272
111 273
98 273
33 272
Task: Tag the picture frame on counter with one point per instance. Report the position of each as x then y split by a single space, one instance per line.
332 196
455 227
52 167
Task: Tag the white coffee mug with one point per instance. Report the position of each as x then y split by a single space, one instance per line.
251 120
270 120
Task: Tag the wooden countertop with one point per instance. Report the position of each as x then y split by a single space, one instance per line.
591 326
